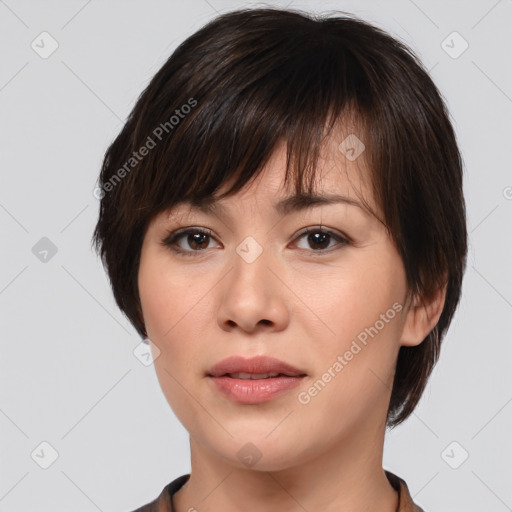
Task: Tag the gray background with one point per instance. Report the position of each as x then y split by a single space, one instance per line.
68 373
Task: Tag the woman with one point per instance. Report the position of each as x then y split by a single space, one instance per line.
282 220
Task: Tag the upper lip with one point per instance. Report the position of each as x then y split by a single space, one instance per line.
257 365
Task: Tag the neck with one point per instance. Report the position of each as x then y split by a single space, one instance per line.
348 476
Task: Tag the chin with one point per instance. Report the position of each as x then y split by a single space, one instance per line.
259 452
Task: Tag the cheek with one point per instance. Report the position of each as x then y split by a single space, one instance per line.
347 299
362 312
169 298
177 316
360 346
175 319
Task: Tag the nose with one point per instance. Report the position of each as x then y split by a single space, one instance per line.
251 297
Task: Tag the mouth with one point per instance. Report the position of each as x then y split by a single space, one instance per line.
255 376
254 380
260 367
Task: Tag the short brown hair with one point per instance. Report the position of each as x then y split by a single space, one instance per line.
253 77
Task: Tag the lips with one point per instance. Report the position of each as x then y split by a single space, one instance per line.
255 376
254 367
255 380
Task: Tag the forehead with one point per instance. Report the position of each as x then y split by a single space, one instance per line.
341 170
338 180
341 176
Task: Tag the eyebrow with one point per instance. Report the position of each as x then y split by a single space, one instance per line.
285 206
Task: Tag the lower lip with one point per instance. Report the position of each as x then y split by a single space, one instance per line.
255 391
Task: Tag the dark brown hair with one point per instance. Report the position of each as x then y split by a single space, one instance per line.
253 77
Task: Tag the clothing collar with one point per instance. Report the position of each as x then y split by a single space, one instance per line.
163 503
405 503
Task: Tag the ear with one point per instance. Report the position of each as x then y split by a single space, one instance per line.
422 317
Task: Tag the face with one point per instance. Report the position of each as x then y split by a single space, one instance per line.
320 289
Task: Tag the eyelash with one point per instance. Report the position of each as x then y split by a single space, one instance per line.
174 236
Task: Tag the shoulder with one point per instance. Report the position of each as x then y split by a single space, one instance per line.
405 503
163 502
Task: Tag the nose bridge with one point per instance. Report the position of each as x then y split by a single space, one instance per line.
250 295
250 272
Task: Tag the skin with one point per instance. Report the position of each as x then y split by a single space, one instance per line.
301 306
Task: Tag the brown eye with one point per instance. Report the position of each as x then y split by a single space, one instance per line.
192 241
319 239
189 241
197 240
